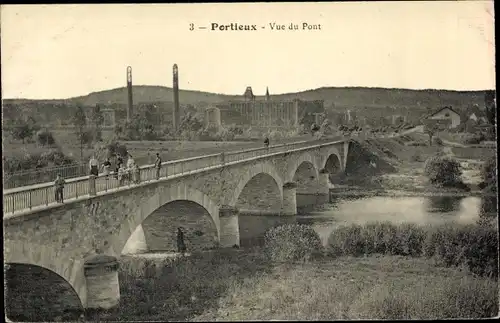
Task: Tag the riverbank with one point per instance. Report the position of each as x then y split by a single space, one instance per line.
360 191
236 284
387 167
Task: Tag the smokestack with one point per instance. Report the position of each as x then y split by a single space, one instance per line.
176 99
130 107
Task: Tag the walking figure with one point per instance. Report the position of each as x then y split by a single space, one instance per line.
59 186
266 142
181 246
94 166
158 165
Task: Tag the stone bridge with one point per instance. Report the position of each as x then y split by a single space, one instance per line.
81 239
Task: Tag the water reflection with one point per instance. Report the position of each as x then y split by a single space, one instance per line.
489 206
346 210
438 204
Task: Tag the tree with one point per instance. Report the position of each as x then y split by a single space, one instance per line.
325 127
23 129
80 123
443 171
490 107
97 120
45 137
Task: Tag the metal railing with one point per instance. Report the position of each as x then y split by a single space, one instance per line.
19 179
43 195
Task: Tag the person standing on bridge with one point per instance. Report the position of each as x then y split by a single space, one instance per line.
94 166
130 162
158 165
118 164
106 166
181 246
266 142
59 186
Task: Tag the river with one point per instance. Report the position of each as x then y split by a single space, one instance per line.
345 210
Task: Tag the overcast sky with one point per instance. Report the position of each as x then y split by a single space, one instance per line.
57 51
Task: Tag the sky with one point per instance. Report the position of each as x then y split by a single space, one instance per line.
62 51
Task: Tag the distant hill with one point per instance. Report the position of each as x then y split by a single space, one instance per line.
337 96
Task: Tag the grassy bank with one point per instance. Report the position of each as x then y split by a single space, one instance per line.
375 271
388 165
244 285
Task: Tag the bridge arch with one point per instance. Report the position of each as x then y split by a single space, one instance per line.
254 170
162 197
294 165
331 153
69 269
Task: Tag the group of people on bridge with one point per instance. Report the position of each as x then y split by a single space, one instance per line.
129 172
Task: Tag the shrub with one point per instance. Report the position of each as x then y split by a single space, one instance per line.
225 135
117 148
473 139
473 246
437 141
443 171
346 240
489 175
292 242
45 137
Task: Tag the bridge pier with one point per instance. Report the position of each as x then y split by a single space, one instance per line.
324 182
229 226
323 187
289 199
103 287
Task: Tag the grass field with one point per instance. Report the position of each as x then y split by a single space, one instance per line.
236 285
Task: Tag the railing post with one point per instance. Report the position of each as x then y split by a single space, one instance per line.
46 196
13 202
29 201
92 188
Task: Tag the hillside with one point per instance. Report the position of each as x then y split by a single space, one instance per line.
340 97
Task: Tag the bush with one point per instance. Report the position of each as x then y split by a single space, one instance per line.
45 137
225 135
489 175
473 246
292 242
117 148
51 158
473 139
376 238
437 141
443 171
346 240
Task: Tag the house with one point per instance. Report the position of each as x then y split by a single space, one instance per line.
477 115
446 116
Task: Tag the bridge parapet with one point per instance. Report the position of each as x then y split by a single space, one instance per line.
27 199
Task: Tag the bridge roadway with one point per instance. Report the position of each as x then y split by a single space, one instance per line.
16 179
26 199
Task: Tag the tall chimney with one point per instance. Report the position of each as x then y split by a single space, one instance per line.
130 107
176 99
